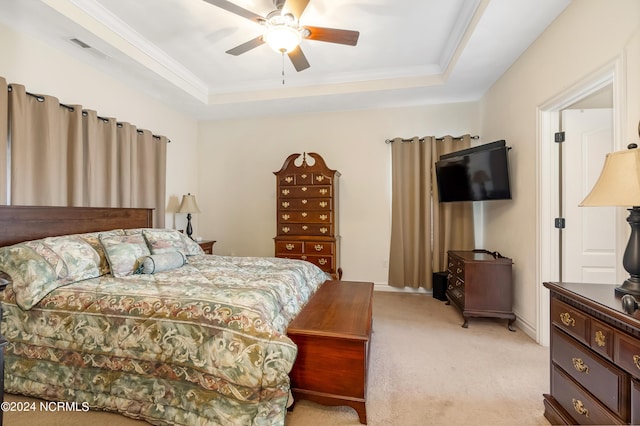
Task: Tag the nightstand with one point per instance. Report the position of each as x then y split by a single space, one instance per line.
207 245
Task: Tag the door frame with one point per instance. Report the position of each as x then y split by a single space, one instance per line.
548 122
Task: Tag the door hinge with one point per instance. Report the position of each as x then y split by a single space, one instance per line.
559 222
559 137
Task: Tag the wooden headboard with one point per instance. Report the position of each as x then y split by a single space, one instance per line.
24 223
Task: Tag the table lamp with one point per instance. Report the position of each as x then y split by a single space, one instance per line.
619 185
188 206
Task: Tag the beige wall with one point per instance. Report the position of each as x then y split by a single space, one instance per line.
229 165
42 69
238 158
588 35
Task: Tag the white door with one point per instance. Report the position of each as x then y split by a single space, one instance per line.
589 237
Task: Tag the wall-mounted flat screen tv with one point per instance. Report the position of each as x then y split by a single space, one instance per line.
480 173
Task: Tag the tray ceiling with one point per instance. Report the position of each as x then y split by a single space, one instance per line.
410 52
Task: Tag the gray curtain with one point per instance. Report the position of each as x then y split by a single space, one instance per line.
422 229
63 156
4 137
46 150
454 230
410 250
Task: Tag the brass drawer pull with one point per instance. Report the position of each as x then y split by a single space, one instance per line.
567 320
290 246
579 365
285 204
322 261
458 270
286 217
318 247
600 338
323 204
288 179
579 407
285 192
636 360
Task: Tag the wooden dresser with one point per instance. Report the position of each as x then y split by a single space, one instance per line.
307 213
594 356
333 334
479 283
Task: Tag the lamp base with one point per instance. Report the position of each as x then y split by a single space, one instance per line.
629 286
189 229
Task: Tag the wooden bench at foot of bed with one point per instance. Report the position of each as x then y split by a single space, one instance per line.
333 333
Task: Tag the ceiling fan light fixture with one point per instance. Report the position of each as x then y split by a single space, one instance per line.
282 38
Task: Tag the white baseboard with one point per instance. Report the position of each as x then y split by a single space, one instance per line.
388 288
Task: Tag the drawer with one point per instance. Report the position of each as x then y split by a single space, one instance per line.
607 383
306 216
288 179
289 247
570 320
305 229
304 191
456 267
323 204
601 338
627 353
324 262
322 179
579 403
318 247
635 402
455 294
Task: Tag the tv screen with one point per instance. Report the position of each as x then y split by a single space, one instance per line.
475 174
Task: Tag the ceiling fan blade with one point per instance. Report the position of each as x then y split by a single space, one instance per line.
296 7
333 35
245 47
230 7
298 59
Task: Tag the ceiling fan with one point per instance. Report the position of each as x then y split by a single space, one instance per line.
283 31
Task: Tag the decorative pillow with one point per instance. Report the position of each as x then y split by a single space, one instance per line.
162 262
134 231
191 246
124 252
37 267
164 240
93 238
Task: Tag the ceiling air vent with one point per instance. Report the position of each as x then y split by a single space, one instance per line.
80 43
90 48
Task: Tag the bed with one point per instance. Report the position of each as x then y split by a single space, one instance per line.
168 335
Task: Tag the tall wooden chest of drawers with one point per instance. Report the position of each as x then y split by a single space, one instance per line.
594 357
479 283
307 213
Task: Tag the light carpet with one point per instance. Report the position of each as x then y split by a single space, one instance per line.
425 369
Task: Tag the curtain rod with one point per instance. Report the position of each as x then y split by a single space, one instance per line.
456 138
40 98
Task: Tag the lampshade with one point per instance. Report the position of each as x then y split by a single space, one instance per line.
282 38
619 181
189 204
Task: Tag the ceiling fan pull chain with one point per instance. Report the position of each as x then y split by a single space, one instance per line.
282 66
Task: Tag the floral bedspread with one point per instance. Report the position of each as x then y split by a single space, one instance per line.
201 344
